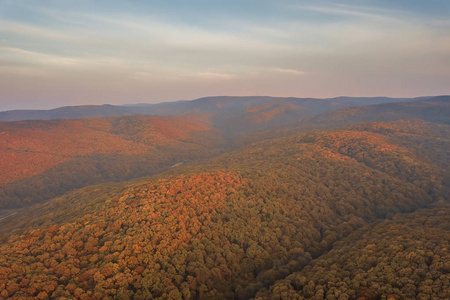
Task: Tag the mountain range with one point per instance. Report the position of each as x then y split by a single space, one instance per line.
227 198
229 105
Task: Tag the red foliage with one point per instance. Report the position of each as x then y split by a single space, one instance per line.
267 111
67 260
29 148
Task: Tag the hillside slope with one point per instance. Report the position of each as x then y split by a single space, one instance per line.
435 109
227 229
40 159
403 258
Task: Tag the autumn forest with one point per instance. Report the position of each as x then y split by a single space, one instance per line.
227 198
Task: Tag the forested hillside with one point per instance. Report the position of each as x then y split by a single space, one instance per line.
435 110
43 159
234 227
403 258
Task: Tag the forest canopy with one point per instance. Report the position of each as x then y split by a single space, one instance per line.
254 222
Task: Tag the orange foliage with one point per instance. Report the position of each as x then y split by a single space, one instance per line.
104 252
358 144
28 148
18 165
267 111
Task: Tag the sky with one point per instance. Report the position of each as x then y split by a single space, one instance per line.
58 52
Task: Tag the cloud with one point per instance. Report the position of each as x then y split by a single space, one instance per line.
35 32
363 12
290 71
24 58
143 47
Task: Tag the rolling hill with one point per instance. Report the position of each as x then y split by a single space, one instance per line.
45 158
42 159
222 104
349 204
67 112
244 224
403 258
435 109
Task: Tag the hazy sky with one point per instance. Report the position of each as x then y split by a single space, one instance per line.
56 53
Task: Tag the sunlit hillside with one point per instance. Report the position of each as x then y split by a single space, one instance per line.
235 226
51 157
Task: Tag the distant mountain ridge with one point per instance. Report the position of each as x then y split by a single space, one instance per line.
229 104
435 109
66 112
